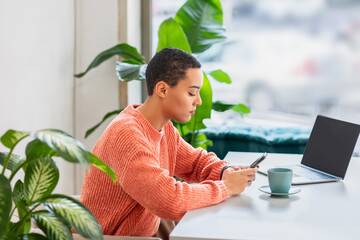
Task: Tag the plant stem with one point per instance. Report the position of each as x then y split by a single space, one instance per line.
7 161
12 212
16 226
9 155
17 169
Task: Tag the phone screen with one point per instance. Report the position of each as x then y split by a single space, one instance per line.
258 161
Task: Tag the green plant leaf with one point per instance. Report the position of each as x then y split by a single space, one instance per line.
181 127
38 149
52 226
242 109
128 71
96 162
202 22
109 114
204 110
20 202
41 177
220 76
32 236
8 236
12 137
25 225
172 35
74 214
18 192
63 144
14 161
202 141
5 204
222 107
124 50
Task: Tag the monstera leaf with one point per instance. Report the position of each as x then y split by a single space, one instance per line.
202 22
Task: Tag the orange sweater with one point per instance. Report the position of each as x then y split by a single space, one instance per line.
145 161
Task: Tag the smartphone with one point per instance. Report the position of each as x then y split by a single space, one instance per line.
258 161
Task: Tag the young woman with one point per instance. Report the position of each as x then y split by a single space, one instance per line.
146 151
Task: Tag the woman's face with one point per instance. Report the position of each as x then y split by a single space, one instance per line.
181 100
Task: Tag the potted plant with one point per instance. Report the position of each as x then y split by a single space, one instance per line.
58 213
197 26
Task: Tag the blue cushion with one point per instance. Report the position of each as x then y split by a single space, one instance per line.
256 138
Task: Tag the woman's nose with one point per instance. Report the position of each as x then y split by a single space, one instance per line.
198 100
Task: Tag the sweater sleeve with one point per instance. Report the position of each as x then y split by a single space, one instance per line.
140 175
196 165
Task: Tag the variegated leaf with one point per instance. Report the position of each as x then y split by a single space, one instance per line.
22 208
41 177
37 149
12 137
63 144
52 226
5 204
32 236
74 214
18 192
14 161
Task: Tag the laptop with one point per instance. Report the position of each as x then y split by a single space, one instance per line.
327 153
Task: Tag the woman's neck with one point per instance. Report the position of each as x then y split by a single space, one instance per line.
152 111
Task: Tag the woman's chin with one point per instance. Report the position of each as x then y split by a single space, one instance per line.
183 120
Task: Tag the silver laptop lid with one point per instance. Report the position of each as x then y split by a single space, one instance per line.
330 145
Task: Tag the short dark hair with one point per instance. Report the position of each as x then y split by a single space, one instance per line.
169 65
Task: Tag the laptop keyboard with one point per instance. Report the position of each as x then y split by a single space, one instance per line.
307 173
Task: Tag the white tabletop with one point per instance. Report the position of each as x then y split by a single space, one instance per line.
319 211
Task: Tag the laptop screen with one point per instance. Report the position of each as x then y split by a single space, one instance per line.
330 146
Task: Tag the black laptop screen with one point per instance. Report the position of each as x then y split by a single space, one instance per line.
331 145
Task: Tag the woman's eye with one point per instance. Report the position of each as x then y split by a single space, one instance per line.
191 94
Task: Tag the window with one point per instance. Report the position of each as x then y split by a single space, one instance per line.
292 56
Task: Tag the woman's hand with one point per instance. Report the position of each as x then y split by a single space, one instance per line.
237 178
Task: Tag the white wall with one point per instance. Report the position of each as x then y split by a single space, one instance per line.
134 39
42 44
36 68
97 91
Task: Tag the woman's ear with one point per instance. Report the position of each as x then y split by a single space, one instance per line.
161 89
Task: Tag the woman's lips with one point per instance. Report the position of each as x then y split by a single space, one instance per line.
192 112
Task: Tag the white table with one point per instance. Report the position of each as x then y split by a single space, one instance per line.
319 211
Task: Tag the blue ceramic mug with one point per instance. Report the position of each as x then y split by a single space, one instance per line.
280 179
